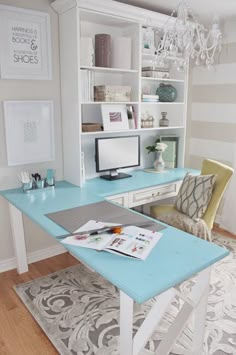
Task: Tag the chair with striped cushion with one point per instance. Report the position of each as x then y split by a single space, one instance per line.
191 220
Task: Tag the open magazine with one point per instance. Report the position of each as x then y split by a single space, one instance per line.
133 241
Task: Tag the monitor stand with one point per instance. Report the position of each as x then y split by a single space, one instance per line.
114 175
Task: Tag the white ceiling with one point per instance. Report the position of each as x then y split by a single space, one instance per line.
204 10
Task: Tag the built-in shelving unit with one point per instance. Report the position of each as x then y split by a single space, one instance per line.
86 19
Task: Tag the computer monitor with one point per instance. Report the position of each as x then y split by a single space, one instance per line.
114 153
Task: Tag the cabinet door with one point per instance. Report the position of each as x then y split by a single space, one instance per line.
121 199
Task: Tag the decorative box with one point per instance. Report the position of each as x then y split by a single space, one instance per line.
112 93
155 72
91 127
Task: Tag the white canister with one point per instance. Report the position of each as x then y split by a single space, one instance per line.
86 51
121 52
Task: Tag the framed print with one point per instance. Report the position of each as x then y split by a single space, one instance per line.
29 131
148 40
114 117
170 155
26 44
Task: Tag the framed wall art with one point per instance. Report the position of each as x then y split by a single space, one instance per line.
25 44
170 155
29 131
114 117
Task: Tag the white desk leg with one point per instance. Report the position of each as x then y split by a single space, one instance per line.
18 239
126 324
200 312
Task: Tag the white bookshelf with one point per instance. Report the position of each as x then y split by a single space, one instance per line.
81 18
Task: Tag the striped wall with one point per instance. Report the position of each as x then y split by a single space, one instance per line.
212 116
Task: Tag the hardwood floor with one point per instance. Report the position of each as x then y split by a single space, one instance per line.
217 229
19 332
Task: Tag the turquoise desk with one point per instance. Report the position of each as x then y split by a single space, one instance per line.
177 257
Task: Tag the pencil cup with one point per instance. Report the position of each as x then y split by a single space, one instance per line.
40 184
27 185
50 177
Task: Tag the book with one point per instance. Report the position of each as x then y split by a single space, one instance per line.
133 241
147 96
130 113
150 100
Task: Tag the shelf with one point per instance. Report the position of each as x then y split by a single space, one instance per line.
162 103
154 56
129 103
160 128
110 132
108 70
110 103
159 79
138 130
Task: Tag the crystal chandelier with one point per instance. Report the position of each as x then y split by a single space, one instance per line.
184 38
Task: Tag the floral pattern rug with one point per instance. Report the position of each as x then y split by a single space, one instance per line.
79 310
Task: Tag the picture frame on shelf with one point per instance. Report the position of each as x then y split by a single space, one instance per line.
148 43
170 155
114 117
26 44
27 125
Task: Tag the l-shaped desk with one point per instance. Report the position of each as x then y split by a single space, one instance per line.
177 256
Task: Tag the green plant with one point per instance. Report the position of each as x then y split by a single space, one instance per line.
157 146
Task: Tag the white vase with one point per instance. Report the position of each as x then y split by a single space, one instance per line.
159 163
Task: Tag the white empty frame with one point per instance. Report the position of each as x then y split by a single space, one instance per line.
29 131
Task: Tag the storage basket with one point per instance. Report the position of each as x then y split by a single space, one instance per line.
91 127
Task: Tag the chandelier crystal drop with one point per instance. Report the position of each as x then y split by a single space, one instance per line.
184 38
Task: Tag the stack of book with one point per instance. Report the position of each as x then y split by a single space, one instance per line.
150 98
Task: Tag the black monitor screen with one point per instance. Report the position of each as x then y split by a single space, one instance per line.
117 152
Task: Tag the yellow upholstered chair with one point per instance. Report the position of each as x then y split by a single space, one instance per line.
169 214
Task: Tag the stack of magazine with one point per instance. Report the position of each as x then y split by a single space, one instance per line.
150 98
131 241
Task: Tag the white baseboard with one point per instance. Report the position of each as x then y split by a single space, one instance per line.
45 253
10 264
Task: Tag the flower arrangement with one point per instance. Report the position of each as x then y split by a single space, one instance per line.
157 147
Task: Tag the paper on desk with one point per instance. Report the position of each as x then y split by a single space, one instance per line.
132 241
97 242
135 242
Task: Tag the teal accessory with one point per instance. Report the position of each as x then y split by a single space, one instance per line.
166 92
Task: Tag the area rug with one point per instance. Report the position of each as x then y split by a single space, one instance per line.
79 310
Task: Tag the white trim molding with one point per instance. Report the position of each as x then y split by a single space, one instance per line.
9 264
112 7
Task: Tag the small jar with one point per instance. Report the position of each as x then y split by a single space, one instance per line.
163 122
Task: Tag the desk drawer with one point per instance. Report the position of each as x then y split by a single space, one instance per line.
121 199
140 197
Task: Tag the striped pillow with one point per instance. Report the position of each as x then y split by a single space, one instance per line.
195 194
